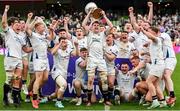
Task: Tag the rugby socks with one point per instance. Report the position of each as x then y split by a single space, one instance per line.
35 96
162 100
110 92
24 81
15 95
78 96
58 99
171 94
89 94
6 89
154 97
116 92
105 96
40 93
85 93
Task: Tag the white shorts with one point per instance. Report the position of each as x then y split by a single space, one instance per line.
125 94
60 81
170 63
93 63
157 70
40 64
110 70
56 72
11 63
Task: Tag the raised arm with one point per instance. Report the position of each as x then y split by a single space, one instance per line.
84 23
141 65
83 64
107 20
133 19
55 48
149 35
150 15
75 52
51 33
28 30
66 21
4 18
29 26
29 17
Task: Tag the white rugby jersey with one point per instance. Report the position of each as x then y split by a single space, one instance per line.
79 71
14 43
61 61
156 52
132 34
168 50
23 34
95 44
139 40
82 43
40 45
111 50
125 49
125 82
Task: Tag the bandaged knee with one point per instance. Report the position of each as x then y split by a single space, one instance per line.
91 72
103 77
16 77
62 88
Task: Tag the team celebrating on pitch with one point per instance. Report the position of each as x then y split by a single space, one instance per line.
96 44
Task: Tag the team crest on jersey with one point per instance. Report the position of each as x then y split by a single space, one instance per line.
95 39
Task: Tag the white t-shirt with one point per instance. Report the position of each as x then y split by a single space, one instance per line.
156 52
82 43
139 40
40 45
125 49
14 43
61 61
132 35
79 71
23 34
111 50
125 82
95 44
168 50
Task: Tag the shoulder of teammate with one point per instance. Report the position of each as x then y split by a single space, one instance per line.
78 61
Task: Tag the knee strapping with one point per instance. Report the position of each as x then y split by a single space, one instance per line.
103 76
16 77
91 72
62 88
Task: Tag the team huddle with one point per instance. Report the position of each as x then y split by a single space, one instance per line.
97 46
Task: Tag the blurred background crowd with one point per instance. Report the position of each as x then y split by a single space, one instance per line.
166 12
